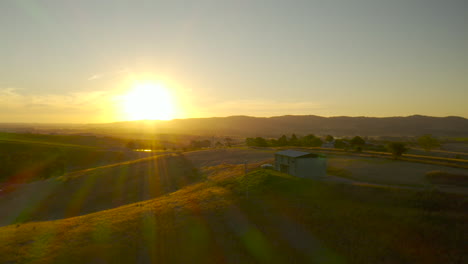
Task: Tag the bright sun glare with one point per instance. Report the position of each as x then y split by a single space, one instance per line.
148 100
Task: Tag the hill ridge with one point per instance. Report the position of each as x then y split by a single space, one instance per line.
413 125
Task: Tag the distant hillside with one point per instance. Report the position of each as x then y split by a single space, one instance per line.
275 126
243 126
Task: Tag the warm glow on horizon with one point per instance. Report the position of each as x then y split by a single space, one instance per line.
148 100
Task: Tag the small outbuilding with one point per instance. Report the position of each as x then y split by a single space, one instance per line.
301 164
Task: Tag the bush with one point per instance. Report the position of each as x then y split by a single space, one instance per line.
397 149
428 142
357 141
340 143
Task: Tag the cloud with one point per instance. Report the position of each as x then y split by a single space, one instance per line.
16 106
108 74
95 77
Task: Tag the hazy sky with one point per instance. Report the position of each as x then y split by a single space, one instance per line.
71 61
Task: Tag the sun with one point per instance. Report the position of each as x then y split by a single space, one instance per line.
148 100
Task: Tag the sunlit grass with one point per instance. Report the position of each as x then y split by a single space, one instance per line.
97 189
261 217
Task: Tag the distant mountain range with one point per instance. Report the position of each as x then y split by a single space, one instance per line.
451 126
306 124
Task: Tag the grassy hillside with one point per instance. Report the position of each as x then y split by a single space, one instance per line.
264 217
29 157
96 189
89 141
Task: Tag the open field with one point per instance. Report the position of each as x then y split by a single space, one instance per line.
387 171
64 140
376 170
96 189
24 161
264 217
208 158
200 207
461 153
427 159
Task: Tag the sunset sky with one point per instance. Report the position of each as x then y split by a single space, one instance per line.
93 61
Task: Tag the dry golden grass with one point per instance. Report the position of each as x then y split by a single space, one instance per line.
97 189
263 217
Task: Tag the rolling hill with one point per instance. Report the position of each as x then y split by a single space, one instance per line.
29 157
96 189
263 217
275 126
414 125
451 126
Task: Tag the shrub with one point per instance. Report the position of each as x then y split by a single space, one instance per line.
428 142
340 143
357 141
397 149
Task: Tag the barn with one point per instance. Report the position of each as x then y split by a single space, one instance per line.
301 164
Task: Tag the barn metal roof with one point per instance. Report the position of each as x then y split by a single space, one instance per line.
295 153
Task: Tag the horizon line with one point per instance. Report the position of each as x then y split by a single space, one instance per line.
230 116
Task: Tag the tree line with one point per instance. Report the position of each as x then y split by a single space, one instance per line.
357 143
306 141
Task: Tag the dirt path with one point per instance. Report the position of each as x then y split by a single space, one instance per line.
441 188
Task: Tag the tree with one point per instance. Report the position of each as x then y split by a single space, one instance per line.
340 143
329 138
397 149
261 142
250 141
428 142
311 141
294 141
283 141
273 142
256 142
228 142
357 141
